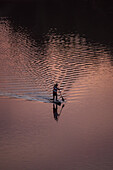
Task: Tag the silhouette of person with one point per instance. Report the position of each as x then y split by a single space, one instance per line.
55 111
55 88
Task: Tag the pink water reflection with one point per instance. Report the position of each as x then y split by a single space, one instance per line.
31 138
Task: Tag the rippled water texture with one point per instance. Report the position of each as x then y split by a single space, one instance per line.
30 136
29 70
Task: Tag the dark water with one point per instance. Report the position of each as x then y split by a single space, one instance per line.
29 67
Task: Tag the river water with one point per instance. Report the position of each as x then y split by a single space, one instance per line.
31 135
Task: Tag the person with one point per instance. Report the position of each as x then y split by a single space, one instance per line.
55 88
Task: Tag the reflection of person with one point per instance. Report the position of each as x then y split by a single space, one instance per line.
55 111
55 88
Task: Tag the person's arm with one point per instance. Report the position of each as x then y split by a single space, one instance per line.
58 88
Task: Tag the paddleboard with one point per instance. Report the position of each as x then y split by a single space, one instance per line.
55 101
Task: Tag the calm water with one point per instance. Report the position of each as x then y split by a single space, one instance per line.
30 137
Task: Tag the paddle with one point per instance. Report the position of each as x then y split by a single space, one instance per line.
61 109
61 97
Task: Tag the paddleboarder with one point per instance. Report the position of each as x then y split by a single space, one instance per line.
55 88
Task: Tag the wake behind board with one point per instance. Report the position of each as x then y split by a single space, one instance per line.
55 101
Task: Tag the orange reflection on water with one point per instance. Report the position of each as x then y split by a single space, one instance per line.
29 71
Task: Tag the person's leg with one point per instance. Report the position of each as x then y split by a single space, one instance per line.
56 97
53 96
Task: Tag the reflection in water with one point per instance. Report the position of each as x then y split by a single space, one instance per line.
55 111
29 71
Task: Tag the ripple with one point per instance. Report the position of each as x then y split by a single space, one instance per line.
28 71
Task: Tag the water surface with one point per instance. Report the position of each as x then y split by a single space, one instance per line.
29 70
81 137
